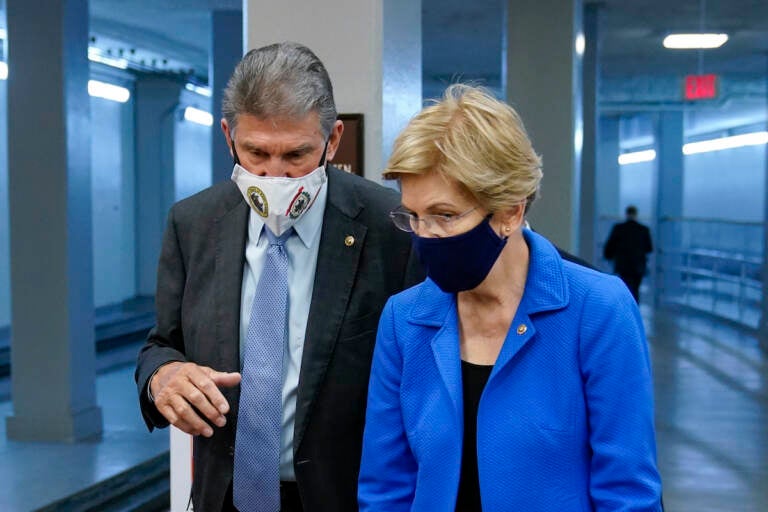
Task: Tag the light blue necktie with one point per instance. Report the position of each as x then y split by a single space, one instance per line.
256 485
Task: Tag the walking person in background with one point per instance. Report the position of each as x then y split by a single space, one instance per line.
628 246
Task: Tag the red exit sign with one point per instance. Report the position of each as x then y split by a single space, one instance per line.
700 87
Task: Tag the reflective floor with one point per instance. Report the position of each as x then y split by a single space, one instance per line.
711 416
711 385
34 475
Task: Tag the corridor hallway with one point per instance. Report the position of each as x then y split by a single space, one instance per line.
711 386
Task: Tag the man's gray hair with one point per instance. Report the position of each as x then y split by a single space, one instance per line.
283 80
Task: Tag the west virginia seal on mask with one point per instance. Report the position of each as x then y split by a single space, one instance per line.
279 201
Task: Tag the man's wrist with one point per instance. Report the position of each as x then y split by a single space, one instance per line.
150 396
149 385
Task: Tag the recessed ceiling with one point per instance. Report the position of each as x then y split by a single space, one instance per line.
463 40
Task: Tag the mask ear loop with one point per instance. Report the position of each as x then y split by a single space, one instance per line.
234 152
325 150
505 229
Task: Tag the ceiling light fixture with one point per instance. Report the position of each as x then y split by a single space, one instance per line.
195 115
732 142
108 91
694 41
649 155
581 44
202 91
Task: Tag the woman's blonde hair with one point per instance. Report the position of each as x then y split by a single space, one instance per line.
475 139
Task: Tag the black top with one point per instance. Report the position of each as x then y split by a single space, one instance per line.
473 378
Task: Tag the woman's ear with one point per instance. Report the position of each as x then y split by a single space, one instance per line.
512 218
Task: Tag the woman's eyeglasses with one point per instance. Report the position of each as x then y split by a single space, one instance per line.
410 222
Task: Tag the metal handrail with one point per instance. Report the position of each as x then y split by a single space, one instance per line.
708 275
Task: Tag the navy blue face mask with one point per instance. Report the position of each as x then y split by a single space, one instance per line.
459 263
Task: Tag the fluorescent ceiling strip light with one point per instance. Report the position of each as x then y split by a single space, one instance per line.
94 55
202 91
3 71
195 115
649 155
581 44
735 141
694 41
108 91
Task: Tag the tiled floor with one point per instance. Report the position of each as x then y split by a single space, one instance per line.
711 414
711 410
36 474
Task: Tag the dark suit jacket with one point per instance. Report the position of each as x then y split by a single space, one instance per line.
628 244
198 319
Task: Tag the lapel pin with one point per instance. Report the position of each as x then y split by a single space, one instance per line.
522 329
349 241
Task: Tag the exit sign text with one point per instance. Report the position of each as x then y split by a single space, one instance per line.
700 87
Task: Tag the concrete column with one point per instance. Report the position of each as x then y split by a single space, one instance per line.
157 101
52 343
5 265
544 85
608 170
591 74
401 73
763 328
608 182
226 52
669 203
374 61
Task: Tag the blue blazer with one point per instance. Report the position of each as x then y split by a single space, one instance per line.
565 422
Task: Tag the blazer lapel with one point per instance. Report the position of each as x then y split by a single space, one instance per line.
546 289
231 229
520 332
436 308
445 348
337 264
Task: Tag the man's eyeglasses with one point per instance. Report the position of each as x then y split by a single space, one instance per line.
408 221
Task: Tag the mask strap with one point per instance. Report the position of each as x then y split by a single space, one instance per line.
234 152
487 219
325 150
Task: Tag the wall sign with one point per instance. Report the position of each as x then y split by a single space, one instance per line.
349 156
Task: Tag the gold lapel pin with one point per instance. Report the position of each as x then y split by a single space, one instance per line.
349 241
522 329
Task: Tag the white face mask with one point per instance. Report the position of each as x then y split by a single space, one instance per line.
279 201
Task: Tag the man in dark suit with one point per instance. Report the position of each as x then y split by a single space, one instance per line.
345 258
628 246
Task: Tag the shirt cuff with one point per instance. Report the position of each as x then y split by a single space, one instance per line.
149 387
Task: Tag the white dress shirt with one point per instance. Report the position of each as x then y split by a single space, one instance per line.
302 249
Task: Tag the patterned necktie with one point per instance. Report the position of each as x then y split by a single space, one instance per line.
256 485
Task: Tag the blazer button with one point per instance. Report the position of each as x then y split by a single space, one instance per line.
231 451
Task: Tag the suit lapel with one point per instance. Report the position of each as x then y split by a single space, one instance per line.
337 264
231 229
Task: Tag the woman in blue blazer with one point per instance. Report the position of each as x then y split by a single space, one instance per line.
510 380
